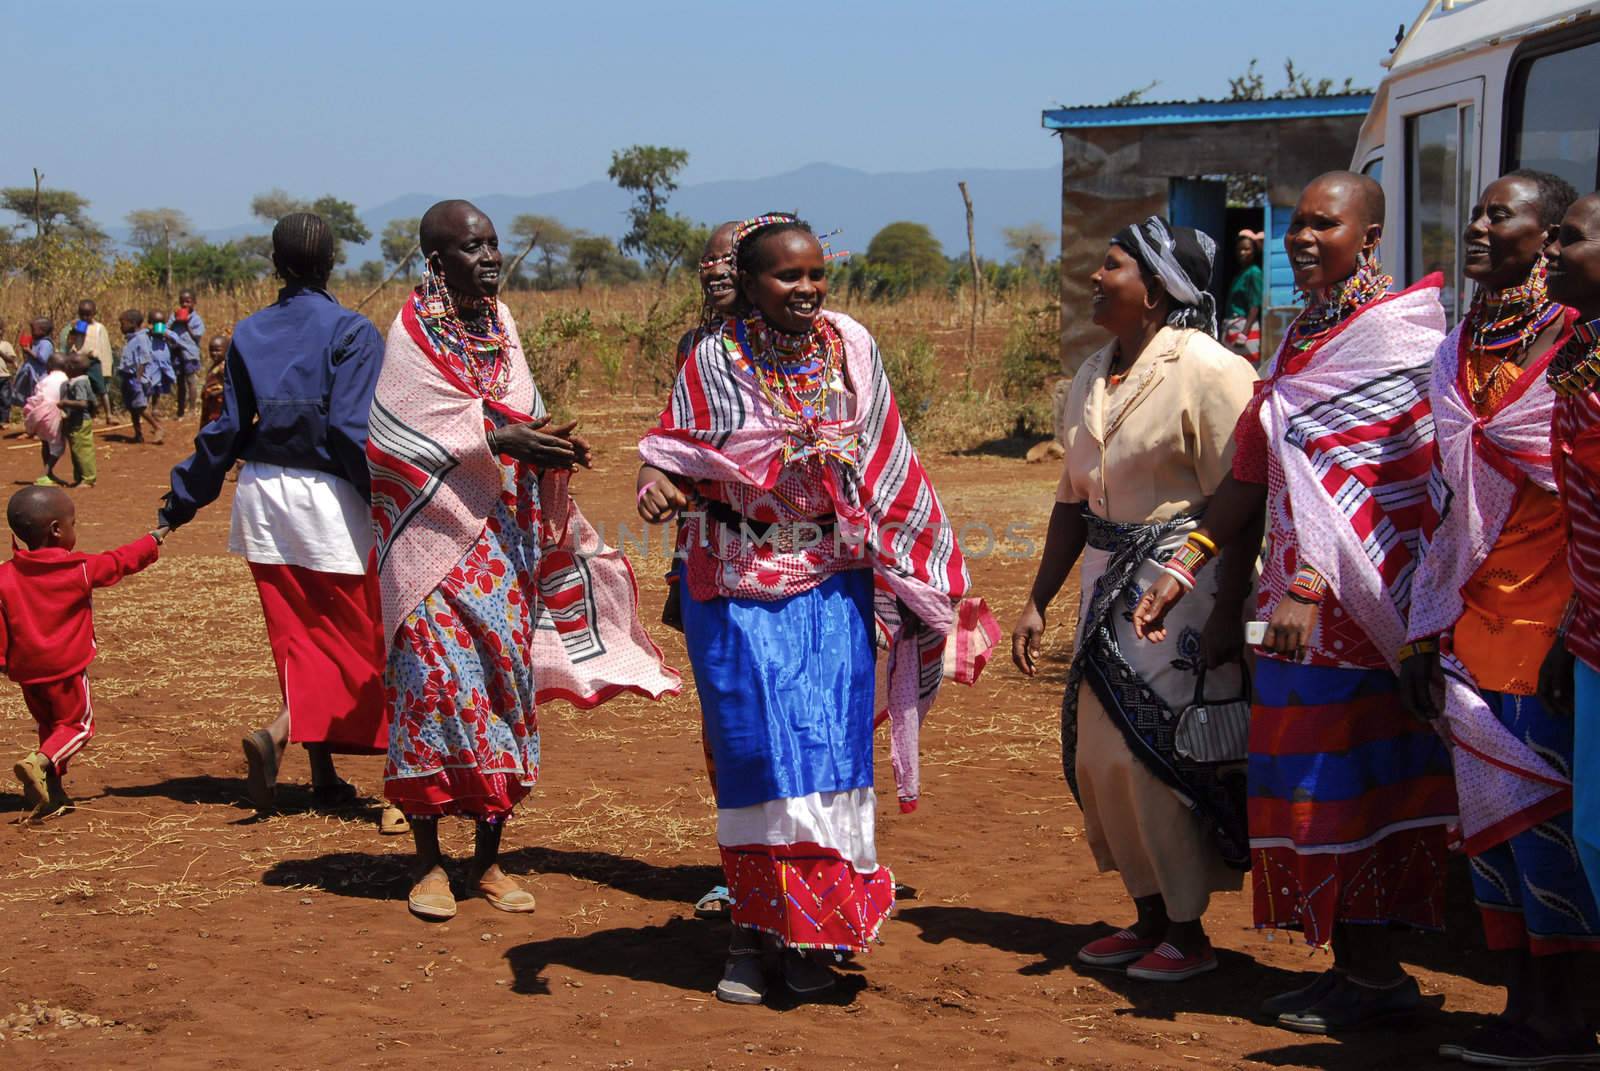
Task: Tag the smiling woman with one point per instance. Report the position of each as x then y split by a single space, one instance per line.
812 518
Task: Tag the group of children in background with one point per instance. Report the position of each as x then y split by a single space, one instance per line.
60 389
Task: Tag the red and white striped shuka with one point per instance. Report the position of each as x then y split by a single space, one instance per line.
1350 424
1575 434
1504 786
718 428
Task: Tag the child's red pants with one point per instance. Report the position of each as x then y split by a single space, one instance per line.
64 715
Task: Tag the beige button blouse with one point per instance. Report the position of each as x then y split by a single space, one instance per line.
1159 442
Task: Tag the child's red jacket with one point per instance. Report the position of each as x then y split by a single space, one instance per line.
46 617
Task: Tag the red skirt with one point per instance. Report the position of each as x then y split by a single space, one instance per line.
327 640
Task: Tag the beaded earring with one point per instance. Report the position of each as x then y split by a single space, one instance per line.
435 295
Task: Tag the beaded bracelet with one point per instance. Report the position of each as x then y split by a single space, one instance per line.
1426 645
1308 586
1191 556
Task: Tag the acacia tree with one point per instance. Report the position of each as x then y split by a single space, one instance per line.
49 211
546 234
341 217
401 249
155 230
1032 245
650 173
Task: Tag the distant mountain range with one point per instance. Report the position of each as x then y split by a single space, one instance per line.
828 196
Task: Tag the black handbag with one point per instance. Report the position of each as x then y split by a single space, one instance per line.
1214 730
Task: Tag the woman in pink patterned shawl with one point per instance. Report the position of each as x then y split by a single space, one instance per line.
487 609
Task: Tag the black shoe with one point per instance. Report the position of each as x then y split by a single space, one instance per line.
1352 1005
1511 1045
333 796
1297 1000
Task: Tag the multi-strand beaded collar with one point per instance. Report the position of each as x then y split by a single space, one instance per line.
480 354
797 375
1511 319
1576 366
1326 309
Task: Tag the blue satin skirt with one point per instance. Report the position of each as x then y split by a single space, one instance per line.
786 689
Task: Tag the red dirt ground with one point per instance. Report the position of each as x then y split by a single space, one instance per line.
161 924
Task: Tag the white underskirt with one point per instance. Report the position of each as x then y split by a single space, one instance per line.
843 821
289 516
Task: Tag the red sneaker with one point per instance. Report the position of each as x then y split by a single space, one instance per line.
1124 946
1167 964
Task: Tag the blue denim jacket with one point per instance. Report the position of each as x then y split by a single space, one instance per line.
297 387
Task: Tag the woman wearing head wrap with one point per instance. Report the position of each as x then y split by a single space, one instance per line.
1149 429
1241 318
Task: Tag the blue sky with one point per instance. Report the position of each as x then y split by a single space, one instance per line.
198 105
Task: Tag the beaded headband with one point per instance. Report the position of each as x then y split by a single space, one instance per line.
748 228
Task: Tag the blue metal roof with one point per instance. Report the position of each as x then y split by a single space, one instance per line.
1205 111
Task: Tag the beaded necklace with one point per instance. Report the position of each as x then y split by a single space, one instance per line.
480 354
1327 309
1511 319
1576 367
796 373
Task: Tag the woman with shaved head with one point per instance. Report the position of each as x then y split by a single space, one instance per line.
1349 800
466 470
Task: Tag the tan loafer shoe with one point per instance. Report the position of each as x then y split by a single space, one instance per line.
432 899
504 894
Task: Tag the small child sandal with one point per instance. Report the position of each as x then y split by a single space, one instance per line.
392 822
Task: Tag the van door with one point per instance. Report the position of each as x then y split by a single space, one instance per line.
1440 131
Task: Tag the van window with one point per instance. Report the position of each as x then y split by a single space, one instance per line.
1439 195
1555 120
1374 169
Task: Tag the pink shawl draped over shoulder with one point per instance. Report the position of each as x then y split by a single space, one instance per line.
718 427
1504 786
434 485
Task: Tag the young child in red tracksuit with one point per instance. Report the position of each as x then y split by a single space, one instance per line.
47 630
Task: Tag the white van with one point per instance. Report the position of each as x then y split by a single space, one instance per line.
1477 88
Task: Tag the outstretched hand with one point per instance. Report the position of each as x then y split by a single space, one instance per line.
1150 616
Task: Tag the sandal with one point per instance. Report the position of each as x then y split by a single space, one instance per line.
504 894
431 899
261 775
714 904
392 822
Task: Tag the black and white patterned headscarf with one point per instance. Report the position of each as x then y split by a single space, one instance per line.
1183 259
